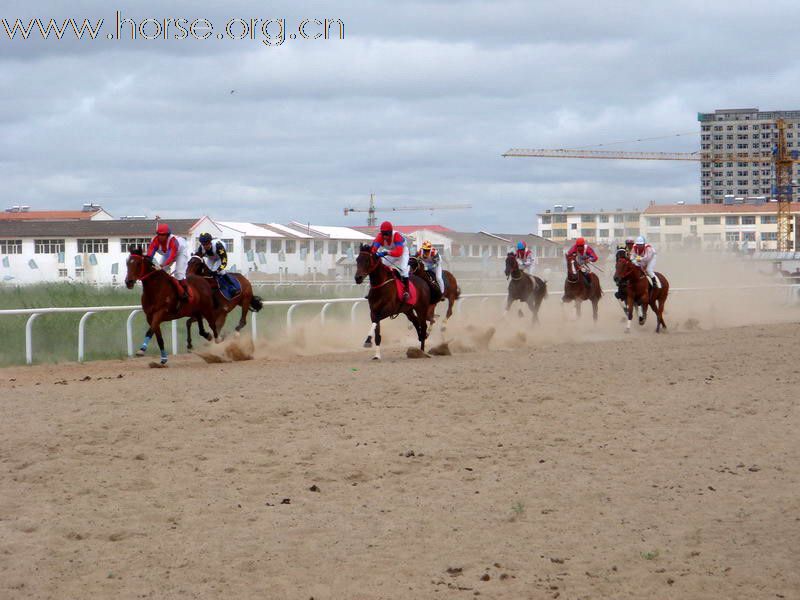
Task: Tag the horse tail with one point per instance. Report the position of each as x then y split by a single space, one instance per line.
256 304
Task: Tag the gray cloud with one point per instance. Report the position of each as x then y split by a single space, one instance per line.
416 104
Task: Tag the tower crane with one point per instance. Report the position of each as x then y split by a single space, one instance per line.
780 157
372 219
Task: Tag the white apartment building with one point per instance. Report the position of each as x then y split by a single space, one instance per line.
564 224
740 226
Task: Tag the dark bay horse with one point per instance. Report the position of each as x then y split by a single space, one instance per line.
245 298
523 287
639 292
451 289
161 299
384 300
577 290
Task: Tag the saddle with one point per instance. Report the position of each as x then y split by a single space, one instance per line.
436 293
228 286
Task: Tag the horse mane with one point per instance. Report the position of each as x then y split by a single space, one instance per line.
137 251
365 247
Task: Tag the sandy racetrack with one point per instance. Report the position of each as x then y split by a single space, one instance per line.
632 467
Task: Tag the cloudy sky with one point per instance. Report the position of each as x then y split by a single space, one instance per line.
416 104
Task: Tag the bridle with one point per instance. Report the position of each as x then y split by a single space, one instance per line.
141 260
572 271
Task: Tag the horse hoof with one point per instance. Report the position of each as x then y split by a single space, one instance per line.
237 334
376 358
367 344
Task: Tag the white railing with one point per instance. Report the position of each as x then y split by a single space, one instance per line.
133 310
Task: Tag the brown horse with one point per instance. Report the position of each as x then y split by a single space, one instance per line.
523 287
245 298
161 299
451 289
577 289
640 293
384 300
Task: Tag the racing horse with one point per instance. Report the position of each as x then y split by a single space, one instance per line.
451 290
639 292
523 287
244 298
576 289
385 299
161 299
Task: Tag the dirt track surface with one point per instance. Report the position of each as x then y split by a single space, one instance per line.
650 467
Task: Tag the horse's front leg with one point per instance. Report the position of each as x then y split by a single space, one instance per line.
419 323
189 322
147 337
245 309
372 328
377 341
201 328
629 314
642 310
509 302
155 324
534 306
578 303
594 309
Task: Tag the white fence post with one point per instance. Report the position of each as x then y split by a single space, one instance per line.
353 312
29 338
289 316
129 330
82 335
174 328
253 326
323 311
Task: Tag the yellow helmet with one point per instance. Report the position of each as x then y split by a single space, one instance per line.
426 247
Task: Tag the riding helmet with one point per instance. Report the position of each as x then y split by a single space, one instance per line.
387 228
580 242
163 229
205 238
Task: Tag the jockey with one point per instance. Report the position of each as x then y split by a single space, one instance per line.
524 258
583 255
215 255
644 256
430 258
629 246
174 250
391 247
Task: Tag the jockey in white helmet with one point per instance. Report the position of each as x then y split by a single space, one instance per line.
644 256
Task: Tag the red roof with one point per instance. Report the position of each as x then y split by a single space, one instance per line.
408 228
48 215
703 209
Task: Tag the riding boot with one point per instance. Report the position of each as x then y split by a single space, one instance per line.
184 297
406 291
656 282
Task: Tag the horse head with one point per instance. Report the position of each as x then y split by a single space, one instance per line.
511 264
572 269
139 266
415 265
197 266
624 267
366 262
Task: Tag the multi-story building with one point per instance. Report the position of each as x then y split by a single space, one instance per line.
563 224
740 226
743 131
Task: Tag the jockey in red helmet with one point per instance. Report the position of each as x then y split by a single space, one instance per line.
583 255
173 250
392 248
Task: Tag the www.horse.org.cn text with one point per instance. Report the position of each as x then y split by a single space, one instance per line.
270 32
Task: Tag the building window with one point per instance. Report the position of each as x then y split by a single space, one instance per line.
573 226
748 236
10 246
711 237
62 273
604 218
261 245
731 220
79 273
655 237
333 247
630 218
673 238
546 219
731 236
92 246
711 220
275 246
546 233
769 236
291 246
618 233
48 246
632 231
603 233
618 219
653 221
559 218
228 244
587 232
673 221
768 219
128 244
587 218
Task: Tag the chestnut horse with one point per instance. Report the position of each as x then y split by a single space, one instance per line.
640 293
384 300
161 299
523 287
244 298
576 289
451 289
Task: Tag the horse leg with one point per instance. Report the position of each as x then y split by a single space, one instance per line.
189 322
450 301
147 337
156 326
642 312
578 307
420 325
509 302
534 309
246 299
377 329
217 325
201 327
373 327
629 314
595 302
